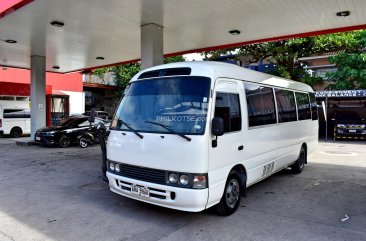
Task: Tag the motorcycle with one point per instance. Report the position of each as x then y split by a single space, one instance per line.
88 137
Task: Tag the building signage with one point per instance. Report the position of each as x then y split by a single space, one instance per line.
340 93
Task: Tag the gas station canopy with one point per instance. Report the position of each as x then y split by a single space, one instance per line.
72 34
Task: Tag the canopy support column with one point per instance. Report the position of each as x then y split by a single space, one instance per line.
152 45
38 93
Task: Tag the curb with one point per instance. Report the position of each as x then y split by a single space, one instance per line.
25 143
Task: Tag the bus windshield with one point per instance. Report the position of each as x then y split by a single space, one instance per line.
164 105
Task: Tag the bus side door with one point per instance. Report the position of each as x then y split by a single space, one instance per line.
227 104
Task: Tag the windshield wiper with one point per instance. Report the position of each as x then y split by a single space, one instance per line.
131 129
169 129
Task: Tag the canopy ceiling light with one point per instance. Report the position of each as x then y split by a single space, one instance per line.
57 24
11 41
234 32
343 14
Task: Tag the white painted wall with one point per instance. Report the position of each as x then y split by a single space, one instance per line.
76 102
15 104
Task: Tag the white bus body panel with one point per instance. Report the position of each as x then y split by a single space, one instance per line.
191 200
277 144
171 153
165 152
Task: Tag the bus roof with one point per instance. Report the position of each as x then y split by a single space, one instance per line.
215 70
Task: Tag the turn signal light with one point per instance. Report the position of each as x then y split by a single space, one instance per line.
199 182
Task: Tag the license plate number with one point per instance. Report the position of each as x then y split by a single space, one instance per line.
139 190
352 131
38 138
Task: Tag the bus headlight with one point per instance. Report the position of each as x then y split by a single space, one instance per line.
173 177
184 180
111 166
187 180
117 167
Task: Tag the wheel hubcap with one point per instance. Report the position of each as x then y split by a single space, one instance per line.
83 143
232 193
64 141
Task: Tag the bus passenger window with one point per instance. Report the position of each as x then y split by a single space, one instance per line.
285 105
314 107
303 106
228 108
261 106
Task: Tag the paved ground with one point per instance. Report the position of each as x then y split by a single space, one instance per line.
57 194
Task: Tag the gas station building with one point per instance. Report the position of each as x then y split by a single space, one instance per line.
71 36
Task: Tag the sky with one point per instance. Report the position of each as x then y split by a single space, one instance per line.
194 56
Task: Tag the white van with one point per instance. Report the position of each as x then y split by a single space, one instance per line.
14 121
14 115
193 135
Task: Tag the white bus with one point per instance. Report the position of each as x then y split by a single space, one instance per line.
194 135
14 116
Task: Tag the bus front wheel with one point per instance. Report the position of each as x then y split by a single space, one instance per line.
230 200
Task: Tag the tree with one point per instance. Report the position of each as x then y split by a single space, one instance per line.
174 59
124 73
350 73
351 67
285 54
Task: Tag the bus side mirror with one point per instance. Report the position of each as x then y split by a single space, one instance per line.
217 128
101 127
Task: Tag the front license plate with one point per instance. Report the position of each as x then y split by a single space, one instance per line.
38 138
352 131
139 190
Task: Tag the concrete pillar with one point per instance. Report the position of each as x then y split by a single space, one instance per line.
38 93
151 45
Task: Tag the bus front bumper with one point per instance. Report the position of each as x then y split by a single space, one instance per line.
191 200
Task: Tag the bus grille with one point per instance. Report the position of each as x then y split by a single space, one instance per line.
143 174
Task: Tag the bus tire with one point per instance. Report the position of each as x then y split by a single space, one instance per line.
230 200
299 165
64 141
16 132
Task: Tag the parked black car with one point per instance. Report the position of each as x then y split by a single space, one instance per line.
88 137
66 133
348 125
